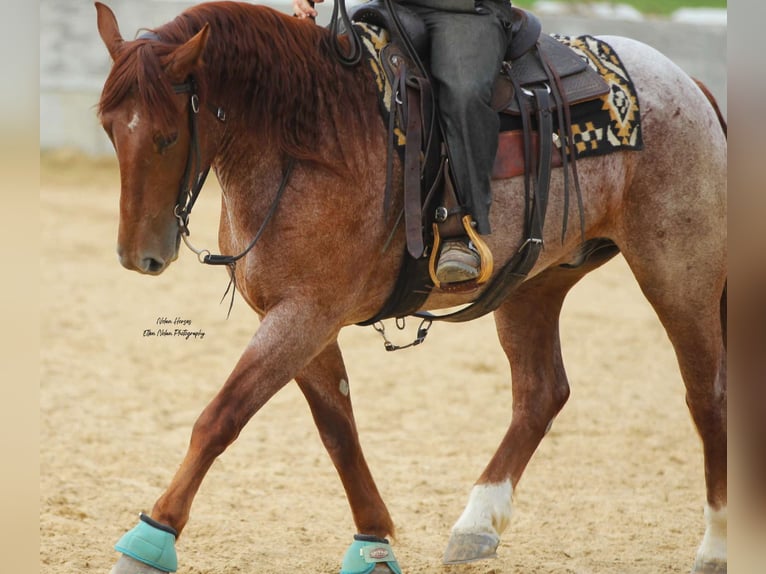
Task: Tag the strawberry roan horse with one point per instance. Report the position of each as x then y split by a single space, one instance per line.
320 263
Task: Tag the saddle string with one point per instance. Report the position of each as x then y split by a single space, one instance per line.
393 109
568 150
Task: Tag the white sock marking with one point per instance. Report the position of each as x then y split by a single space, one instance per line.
713 547
488 509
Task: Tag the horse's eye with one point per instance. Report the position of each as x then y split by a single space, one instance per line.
163 142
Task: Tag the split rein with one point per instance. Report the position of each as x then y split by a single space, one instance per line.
195 176
191 185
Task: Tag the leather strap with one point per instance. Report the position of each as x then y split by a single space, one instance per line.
542 187
406 297
567 146
413 213
517 268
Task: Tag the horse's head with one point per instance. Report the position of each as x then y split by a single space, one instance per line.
146 117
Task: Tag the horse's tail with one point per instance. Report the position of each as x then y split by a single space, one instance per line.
713 102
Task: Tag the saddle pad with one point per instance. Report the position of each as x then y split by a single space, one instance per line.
374 40
622 117
601 126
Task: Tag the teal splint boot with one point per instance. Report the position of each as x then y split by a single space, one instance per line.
365 553
151 543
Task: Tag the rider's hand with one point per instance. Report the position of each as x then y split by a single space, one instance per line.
303 9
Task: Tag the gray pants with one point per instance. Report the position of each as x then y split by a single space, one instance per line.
467 49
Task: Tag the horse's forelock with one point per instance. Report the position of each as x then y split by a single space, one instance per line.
138 71
254 54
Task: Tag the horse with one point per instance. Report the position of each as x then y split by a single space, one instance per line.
299 148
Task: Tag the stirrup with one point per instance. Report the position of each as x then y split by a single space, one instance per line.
366 552
485 255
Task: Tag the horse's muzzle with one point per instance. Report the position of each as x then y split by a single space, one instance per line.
146 262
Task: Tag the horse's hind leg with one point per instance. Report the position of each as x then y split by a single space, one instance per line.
528 328
673 235
691 310
324 383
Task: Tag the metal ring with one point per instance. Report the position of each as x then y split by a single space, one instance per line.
194 103
202 255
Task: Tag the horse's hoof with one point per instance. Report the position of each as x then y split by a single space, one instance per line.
468 547
711 567
128 565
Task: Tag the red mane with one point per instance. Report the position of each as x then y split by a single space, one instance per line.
274 74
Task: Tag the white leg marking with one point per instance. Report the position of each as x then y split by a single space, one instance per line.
134 121
713 547
488 509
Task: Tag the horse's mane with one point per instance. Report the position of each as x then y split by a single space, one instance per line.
277 74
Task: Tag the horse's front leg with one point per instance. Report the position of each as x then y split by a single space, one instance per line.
324 383
277 352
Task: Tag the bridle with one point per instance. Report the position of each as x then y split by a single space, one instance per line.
194 178
195 175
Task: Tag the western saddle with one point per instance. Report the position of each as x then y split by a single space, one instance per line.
540 78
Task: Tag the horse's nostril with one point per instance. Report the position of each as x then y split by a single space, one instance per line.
152 265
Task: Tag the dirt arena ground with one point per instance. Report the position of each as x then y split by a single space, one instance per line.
616 486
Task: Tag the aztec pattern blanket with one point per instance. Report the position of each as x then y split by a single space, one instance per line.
606 124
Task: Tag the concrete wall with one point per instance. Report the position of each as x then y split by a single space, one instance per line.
74 62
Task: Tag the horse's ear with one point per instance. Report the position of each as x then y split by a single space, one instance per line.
186 57
108 29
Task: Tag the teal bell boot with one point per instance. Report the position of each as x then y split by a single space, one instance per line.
365 553
151 543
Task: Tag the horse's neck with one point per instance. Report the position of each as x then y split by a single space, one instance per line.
295 98
244 167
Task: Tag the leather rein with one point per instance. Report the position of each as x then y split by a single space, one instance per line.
195 175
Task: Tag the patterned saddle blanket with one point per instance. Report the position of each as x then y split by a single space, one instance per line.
600 125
